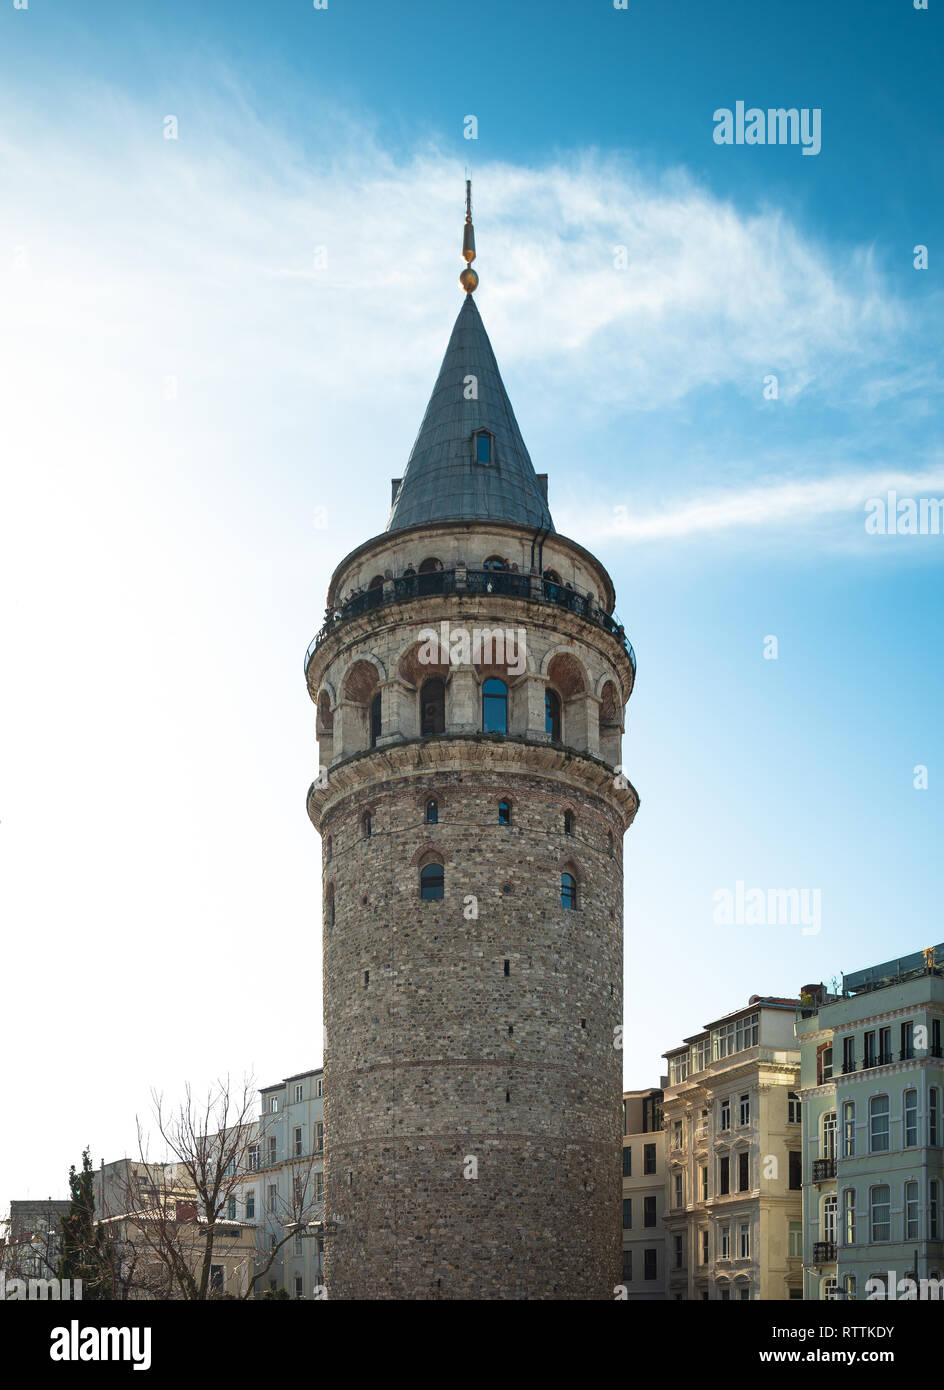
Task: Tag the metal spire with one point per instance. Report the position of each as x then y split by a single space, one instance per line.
468 279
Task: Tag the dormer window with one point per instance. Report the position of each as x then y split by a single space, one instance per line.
483 447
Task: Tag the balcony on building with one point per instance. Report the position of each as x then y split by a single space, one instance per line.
823 1169
824 1252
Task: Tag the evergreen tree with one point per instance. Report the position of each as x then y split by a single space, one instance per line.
84 1252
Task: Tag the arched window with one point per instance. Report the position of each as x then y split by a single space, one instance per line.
366 826
329 907
430 565
375 720
504 813
848 1129
433 707
829 1135
376 583
483 447
552 715
432 811
568 822
494 706
848 1216
568 892
830 1206
495 562
432 882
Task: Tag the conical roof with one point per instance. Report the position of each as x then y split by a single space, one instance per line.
443 480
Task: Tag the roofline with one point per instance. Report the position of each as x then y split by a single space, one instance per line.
298 1076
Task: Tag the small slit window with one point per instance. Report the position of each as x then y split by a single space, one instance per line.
552 715
367 826
568 822
568 892
432 812
432 882
483 447
375 720
504 813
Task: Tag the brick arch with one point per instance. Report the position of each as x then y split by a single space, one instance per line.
566 672
361 679
414 671
570 864
429 853
324 723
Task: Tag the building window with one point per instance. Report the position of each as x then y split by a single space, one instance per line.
848 1216
744 1241
725 1245
552 715
911 1211
827 1064
627 1161
724 1176
677 1135
318 1086
231 1209
910 1106
568 822
934 1117
829 1135
627 1213
830 1207
319 1187
649 1158
907 1041
796 1240
298 1244
870 1057
848 1129
483 447
704 1247
272 1142
319 1138
298 1141
744 1110
433 707
744 1164
299 1286
627 1266
367 826
649 1211
679 1252
793 1108
273 1105
725 1121
796 1170
494 706
504 813
704 1182
934 1208
217 1278
329 907
884 1046
649 1264
251 1204
299 1093
273 1196
568 892
878 1124
375 720
880 1213
432 882
736 1036
253 1157
678 1190
432 811
848 1055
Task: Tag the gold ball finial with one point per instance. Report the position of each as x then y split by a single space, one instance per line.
469 280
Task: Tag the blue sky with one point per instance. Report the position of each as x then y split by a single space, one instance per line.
183 388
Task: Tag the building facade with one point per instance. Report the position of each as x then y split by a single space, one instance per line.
873 1131
643 1196
733 1158
470 684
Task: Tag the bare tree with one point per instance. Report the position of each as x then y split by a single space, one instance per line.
174 1214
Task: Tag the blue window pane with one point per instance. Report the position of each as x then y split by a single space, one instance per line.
568 891
483 448
432 882
494 707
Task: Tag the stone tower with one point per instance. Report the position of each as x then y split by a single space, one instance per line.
470 683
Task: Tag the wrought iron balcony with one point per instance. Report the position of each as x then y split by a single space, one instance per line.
823 1169
824 1252
507 583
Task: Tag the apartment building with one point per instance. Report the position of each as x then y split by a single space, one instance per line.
283 1193
872 1086
733 1162
643 1195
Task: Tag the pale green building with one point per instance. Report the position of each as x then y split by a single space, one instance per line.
872 1088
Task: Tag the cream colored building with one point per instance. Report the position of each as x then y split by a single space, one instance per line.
643 1195
733 1207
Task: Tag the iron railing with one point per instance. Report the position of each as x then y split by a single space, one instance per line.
507 583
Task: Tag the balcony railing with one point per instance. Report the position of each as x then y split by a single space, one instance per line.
823 1169
508 583
824 1252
